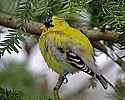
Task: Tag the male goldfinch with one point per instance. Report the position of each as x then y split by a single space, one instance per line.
67 50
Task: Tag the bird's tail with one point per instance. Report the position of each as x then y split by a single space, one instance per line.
102 80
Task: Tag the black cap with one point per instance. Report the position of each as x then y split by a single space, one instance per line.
48 23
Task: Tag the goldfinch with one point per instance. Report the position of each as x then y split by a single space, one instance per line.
67 50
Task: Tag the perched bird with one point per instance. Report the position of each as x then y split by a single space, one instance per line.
67 50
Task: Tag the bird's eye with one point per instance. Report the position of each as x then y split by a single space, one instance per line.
48 23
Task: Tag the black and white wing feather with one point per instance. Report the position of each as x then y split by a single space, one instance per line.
78 63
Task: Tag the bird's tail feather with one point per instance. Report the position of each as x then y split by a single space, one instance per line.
102 80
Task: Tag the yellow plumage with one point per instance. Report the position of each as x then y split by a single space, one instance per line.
67 50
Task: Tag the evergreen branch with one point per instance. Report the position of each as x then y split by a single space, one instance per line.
44 9
9 94
23 12
114 14
108 12
12 94
11 42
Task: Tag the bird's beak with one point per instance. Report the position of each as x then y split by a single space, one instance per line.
43 28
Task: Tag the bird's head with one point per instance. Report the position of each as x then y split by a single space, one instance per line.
54 23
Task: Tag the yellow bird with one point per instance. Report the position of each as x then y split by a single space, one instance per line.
67 50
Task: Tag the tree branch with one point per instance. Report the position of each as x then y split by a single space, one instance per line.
30 27
107 36
34 28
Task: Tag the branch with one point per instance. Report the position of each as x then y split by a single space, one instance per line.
34 28
30 27
106 36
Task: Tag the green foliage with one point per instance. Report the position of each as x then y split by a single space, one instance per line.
108 12
114 14
43 9
23 12
111 13
11 42
9 94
